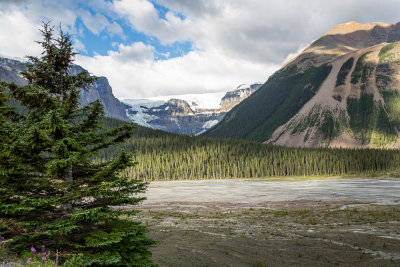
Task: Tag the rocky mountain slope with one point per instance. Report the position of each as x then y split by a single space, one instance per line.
232 98
182 116
341 91
10 71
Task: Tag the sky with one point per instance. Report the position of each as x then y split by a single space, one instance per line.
151 48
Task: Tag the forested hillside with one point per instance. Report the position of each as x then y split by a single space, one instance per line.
341 91
278 100
164 156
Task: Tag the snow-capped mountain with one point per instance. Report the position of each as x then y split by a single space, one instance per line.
232 98
189 114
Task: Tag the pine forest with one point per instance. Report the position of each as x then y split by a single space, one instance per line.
167 156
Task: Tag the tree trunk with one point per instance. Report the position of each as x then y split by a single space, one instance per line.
68 178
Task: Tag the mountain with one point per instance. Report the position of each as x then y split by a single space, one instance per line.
10 71
232 98
341 91
186 114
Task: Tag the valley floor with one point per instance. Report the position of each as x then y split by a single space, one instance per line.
291 223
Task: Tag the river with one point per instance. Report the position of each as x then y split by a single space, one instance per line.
377 191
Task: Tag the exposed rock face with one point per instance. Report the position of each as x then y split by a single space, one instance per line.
233 98
356 106
10 71
342 91
177 107
174 115
178 116
102 90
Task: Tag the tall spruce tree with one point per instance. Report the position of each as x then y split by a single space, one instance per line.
52 193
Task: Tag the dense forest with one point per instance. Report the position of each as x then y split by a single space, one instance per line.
165 156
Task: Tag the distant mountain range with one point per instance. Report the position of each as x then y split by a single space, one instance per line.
343 90
186 114
10 71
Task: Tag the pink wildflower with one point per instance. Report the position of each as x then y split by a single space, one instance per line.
29 260
33 249
44 258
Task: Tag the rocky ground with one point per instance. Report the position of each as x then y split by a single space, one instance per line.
325 222
288 233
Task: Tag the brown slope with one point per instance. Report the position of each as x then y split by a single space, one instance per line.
292 102
346 38
380 81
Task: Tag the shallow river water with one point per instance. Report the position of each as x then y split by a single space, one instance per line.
255 191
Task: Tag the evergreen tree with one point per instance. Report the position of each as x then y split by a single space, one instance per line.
51 191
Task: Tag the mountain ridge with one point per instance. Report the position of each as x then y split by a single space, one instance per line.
182 116
10 72
330 113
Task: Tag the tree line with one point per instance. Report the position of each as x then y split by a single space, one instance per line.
167 156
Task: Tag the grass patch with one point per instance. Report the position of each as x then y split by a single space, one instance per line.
385 54
362 70
362 113
392 102
369 120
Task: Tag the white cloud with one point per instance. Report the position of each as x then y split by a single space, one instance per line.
143 16
198 71
115 28
97 23
18 35
134 53
79 46
293 55
255 30
6 4
66 13
234 41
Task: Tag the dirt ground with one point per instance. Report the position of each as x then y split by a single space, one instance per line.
286 233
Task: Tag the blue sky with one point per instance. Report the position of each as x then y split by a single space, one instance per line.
150 48
100 44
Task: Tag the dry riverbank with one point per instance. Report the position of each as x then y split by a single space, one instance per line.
344 223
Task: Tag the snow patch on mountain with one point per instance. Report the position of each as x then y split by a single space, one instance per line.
196 101
189 114
148 103
209 124
136 110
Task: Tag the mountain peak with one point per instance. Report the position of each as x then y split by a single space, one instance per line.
10 71
243 86
353 26
339 92
343 39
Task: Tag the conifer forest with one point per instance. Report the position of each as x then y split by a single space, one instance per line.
167 156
